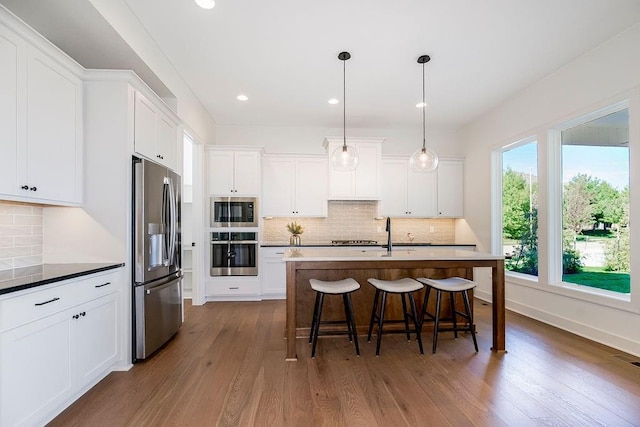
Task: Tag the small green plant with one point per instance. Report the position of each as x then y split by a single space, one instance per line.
295 228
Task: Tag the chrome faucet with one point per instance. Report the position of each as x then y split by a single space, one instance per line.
388 230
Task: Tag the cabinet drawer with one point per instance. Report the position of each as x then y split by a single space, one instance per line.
97 286
36 305
233 288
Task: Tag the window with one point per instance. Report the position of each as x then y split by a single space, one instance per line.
595 203
520 207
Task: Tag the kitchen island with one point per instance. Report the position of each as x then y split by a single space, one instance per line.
339 263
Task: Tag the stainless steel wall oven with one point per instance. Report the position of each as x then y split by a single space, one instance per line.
234 254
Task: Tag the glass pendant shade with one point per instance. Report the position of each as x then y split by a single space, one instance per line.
344 158
423 160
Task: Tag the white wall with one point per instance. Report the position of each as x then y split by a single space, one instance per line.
189 108
606 74
304 140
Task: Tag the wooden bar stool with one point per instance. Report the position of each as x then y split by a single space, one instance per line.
452 285
403 287
342 287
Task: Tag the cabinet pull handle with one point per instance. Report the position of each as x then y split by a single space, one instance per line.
234 287
47 302
25 187
76 316
279 253
104 284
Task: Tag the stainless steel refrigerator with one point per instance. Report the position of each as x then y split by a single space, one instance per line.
157 283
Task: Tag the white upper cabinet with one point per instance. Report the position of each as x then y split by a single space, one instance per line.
406 193
294 186
155 134
40 124
451 188
362 183
234 172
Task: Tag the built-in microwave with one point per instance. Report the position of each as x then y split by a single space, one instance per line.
234 212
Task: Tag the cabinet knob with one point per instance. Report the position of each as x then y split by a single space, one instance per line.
25 187
84 313
34 189
76 316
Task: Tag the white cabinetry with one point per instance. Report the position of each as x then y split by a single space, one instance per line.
155 134
294 186
273 272
56 342
40 124
451 188
233 288
406 193
234 172
362 183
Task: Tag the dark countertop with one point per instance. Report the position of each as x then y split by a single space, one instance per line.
18 279
284 245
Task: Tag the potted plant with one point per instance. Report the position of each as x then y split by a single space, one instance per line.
296 230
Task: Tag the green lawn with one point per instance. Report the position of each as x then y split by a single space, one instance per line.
596 277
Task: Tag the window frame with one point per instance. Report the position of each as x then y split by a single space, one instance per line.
548 137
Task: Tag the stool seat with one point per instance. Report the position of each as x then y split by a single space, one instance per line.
335 287
450 284
396 286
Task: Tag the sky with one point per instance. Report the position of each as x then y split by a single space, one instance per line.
610 164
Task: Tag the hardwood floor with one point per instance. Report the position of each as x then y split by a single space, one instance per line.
226 367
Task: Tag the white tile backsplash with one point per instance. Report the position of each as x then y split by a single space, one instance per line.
21 229
348 220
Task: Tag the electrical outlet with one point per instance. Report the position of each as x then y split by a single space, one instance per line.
432 229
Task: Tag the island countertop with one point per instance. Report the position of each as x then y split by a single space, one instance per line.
378 254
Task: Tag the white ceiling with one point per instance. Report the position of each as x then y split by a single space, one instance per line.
283 54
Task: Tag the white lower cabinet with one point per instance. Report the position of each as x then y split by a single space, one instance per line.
55 343
233 288
96 338
37 361
273 272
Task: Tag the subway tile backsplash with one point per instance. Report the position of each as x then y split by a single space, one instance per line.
349 220
20 235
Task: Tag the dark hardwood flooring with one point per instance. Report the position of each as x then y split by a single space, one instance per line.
226 367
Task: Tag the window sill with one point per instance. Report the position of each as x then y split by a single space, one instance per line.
584 293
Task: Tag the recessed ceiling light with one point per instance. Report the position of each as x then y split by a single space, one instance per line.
206 4
333 101
421 105
242 97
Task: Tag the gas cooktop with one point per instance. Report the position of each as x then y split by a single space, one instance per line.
354 242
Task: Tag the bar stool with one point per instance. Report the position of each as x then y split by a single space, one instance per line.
342 287
452 285
403 287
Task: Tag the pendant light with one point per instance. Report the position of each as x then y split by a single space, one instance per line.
345 157
424 159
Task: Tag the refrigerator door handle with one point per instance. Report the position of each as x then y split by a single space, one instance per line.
166 202
173 236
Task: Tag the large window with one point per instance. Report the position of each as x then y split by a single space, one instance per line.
520 207
595 203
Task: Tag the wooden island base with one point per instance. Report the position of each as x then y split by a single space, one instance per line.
300 297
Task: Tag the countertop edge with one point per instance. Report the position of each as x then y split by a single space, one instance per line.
60 278
284 245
